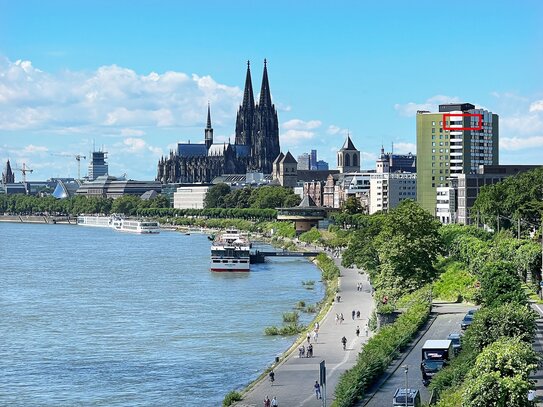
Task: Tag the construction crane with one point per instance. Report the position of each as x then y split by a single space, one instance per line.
24 170
77 157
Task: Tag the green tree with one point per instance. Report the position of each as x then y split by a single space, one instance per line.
126 204
500 284
272 197
352 206
215 196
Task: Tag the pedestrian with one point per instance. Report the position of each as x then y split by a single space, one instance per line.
308 337
272 377
317 387
310 351
267 402
353 314
366 329
315 336
274 402
357 330
341 319
344 342
358 314
300 351
317 326
336 318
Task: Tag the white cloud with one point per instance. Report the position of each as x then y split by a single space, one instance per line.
294 137
333 130
297 124
404 148
521 143
132 132
410 109
368 159
108 99
537 106
136 145
31 148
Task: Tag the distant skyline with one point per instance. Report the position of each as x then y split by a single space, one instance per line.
136 77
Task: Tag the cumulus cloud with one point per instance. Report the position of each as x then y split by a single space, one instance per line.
521 143
298 124
298 131
537 106
405 148
333 130
31 148
111 97
136 145
410 109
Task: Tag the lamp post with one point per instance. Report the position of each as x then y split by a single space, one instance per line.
406 370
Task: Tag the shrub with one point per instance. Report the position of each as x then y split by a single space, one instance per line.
231 398
329 269
300 305
455 282
291 317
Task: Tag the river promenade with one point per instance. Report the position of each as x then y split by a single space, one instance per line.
295 376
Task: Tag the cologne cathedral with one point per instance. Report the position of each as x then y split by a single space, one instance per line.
255 148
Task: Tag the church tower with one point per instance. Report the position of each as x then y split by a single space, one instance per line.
348 157
209 130
8 177
244 119
265 147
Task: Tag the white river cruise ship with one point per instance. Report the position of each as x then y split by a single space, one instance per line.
118 223
230 251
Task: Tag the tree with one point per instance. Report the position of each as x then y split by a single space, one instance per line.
352 206
500 284
506 320
273 197
215 196
126 204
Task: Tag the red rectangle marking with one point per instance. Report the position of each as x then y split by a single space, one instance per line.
479 124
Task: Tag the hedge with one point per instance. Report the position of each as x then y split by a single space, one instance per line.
380 351
224 213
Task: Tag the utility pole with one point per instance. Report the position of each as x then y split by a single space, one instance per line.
406 370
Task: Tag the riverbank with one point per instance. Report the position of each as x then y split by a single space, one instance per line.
66 220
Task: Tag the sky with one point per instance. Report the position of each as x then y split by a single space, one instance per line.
135 77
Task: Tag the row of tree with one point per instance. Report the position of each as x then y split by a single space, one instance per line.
518 198
267 197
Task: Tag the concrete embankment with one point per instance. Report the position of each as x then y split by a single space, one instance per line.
38 219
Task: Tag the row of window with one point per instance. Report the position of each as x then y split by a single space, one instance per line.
441 136
440 143
440 157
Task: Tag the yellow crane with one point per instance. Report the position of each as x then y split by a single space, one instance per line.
77 157
24 170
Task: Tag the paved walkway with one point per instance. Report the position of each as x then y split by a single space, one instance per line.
538 347
295 377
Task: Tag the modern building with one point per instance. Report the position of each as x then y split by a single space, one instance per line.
190 196
255 148
322 165
304 162
348 157
339 187
454 203
388 189
389 162
314 162
97 166
111 187
452 142
66 188
305 216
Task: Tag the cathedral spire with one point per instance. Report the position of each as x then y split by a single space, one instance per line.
248 98
208 132
208 117
265 95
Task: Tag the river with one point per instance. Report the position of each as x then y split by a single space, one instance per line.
96 317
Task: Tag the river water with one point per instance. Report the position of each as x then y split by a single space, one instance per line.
96 317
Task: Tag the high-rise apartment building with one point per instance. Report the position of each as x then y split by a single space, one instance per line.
304 162
313 163
453 141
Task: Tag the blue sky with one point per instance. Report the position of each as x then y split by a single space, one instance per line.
135 76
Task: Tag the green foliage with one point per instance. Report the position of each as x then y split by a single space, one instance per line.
311 236
361 250
300 305
449 233
329 269
291 317
215 196
286 330
455 283
380 350
450 398
500 285
231 398
273 197
352 206
493 323
517 197
455 373
126 204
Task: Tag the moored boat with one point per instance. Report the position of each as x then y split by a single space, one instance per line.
138 226
230 251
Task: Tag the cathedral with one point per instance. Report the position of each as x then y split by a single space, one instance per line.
255 148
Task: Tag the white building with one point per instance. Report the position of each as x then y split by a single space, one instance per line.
388 189
190 197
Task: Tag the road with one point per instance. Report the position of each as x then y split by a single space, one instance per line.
295 377
538 347
448 317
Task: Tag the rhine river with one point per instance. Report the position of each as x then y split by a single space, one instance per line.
96 317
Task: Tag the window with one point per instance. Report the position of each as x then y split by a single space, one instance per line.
433 150
433 137
433 123
441 123
433 130
433 144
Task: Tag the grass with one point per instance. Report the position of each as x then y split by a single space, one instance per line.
455 284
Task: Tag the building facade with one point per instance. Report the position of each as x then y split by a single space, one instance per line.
97 165
304 162
388 189
448 146
388 162
110 187
190 197
8 177
348 157
255 148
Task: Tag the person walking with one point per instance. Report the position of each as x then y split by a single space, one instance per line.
315 336
274 402
272 377
358 314
366 329
344 342
336 318
310 351
341 319
353 314
357 331
317 387
308 337
267 402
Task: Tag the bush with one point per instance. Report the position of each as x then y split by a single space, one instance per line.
455 283
231 398
311 236
380 350
329 269
291 317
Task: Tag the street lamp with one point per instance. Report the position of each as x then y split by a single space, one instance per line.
406 370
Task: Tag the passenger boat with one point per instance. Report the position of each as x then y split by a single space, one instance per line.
230 251
95 221
138 226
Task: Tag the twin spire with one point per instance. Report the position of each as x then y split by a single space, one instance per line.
265 94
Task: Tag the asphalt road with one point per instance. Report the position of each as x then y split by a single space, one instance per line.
447 321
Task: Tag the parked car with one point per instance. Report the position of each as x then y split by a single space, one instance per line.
466 322
472 312
412 396
456 340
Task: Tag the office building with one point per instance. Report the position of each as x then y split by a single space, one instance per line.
190 197
322 165
304 162
313 162
451 142
98 165
388 189
389 162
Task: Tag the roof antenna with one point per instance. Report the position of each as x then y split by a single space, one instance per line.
392 152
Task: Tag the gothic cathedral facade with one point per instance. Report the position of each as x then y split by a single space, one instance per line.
255 148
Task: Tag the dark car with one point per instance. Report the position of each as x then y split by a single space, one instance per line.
472 312
456 340
466 322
